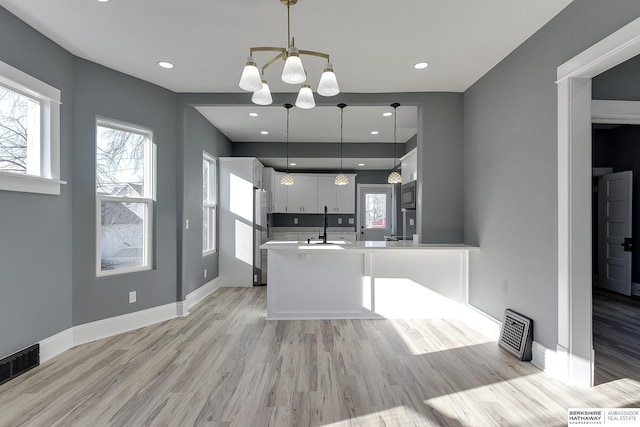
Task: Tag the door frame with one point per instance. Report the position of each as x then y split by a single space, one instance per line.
574 353
393 206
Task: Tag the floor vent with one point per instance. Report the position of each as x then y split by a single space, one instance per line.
19 363
517 335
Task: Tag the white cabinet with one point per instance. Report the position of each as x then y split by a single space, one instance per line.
310 193
346 237
410 166
346 197
327 194
278 193
337 198
257 173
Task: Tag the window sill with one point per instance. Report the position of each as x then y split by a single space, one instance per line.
209 253
29 184
119 271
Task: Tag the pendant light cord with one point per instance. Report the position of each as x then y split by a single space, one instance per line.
288 107
341 130
395 106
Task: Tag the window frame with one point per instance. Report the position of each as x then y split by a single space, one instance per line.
48 180
213 206
148 198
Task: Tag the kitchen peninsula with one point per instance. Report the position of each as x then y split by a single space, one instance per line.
365 279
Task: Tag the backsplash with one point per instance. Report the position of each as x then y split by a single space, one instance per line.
311 220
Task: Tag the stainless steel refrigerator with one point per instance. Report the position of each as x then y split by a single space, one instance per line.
260 232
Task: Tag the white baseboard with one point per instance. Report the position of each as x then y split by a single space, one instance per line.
481 321
120 324
195 297
56 344
547 360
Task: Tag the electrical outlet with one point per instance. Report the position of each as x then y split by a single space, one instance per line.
205 273
339 220
295 220
186 224
132 297
411 221
350 220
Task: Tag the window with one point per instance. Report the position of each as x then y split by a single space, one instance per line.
376 210
209 204
29 133
125 186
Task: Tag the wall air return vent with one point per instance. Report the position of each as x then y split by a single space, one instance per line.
19 363
516 335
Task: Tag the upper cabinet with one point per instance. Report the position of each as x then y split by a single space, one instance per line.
257 173
311 193
410 166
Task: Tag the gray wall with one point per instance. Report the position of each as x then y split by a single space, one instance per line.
35 278
198 135
510 166
99 91
440 150
619 83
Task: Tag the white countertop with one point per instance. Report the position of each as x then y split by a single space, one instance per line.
360 246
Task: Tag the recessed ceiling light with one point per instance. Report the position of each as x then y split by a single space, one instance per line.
164 64
292 164
103 1
374 132
264 132
387 114
360 164
253 114
421 65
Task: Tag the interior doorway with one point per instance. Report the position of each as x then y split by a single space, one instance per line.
574 356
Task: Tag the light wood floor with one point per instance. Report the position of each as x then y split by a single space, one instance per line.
225 365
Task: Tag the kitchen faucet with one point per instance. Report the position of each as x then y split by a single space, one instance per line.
326 224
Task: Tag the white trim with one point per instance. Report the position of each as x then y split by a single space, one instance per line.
59 343
120 324
481 321
195 297
615 112
574 198
56 344
547 360
48 179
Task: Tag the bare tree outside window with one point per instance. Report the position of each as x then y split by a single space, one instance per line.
14 118
119 162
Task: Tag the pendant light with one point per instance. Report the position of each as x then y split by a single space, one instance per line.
341 178
287 178
394 176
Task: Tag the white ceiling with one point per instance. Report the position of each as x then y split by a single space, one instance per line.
321 124
373 45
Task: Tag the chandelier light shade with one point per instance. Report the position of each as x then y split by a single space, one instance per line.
250 79
305 98
262 96
293 71
287 178
394 176
328 85
341 178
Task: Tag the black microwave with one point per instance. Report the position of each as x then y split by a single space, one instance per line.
408 195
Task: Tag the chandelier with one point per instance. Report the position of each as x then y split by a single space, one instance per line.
253 80
394 176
